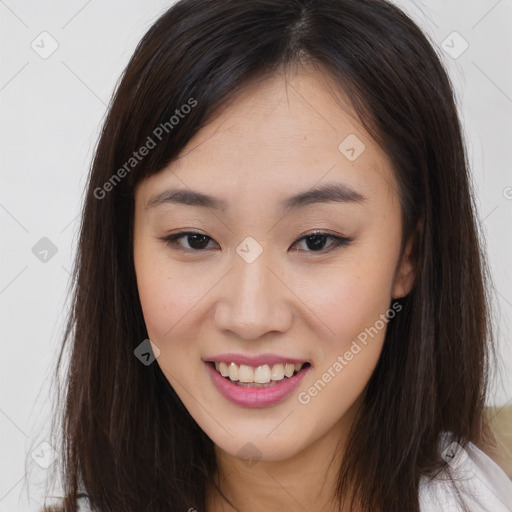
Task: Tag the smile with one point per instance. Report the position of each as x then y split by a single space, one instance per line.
244 375
261 385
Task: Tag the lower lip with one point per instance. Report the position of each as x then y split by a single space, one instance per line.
255 397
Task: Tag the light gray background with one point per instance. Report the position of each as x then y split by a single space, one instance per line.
52 110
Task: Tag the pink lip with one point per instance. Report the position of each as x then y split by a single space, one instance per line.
254 397
253 361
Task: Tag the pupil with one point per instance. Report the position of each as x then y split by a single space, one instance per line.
201 245
317 241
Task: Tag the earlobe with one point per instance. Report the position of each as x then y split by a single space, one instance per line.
404 280
406 274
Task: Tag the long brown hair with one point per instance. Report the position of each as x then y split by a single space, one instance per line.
127 442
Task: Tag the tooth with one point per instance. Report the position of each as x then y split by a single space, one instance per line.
223 369
262 374
233 372
289 369
278 372
245 373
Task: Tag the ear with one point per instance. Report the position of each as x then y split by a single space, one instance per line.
406 273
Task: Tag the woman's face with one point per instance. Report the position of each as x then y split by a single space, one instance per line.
253 287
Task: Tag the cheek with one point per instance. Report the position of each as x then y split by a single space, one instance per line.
350 298
165 295
353 306
168 309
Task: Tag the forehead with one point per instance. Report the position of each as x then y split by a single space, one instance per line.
281 134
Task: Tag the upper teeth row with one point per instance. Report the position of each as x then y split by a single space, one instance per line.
261 374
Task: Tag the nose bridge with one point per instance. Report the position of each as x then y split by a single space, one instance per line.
251 303
252 279
251 292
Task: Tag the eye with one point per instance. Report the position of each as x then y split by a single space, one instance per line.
197 242
315 242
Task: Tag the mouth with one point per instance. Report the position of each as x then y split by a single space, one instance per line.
261 376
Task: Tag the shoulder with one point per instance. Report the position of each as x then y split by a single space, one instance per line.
471 476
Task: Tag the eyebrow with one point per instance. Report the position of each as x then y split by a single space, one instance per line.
328 193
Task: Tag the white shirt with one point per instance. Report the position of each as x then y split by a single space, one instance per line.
483 485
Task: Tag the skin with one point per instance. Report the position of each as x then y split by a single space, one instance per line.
279 137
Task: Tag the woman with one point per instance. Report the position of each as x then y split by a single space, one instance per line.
280 297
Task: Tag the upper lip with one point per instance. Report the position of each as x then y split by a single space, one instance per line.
254 360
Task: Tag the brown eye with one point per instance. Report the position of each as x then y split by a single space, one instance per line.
194 241
316 242
197 242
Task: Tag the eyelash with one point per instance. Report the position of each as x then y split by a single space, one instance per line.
338 241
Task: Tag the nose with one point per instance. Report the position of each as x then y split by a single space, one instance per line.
253 301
